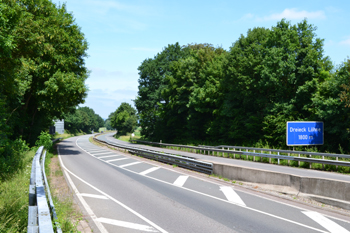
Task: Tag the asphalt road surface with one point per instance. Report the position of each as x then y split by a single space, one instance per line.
125 193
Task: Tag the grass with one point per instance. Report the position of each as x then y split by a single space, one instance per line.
14 199
67 134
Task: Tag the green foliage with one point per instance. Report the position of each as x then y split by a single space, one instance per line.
14 198
202 94
44 139
83 119
41 65
124 119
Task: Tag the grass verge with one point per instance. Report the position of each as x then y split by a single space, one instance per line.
14 198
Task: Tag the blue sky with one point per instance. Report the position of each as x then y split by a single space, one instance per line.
121 34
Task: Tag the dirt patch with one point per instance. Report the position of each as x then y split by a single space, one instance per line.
61 191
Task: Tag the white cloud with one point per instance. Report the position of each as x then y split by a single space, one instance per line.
345 42
295 14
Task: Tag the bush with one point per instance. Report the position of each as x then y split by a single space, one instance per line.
44 139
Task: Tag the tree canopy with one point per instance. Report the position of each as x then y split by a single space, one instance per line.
199 93
42 53
83 119
124 119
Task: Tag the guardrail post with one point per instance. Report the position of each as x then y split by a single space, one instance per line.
261 158
288 159
247 155
254 156
298 161
234 155
336 167
270 158
240 155
310 164
278 153
323 163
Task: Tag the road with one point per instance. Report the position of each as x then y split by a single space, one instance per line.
250 164
125 193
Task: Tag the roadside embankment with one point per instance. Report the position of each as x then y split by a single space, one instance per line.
334 192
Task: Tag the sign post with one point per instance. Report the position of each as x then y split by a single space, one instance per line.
305 133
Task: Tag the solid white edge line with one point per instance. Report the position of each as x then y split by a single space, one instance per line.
180 181
231 195
110 197
83 202
129 164
129 225
92 195
325 222
255 210
243 191
152 169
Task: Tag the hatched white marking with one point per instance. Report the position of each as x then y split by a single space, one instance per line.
152 169
93 195
83 202
129 164
180 181
231 195
325 222
108 156
104 153
116 159
127 224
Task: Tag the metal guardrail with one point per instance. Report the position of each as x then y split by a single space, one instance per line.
181 161
208 149
39 216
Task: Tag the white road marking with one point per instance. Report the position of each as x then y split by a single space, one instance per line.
152 169
83 202
127 225
108 156
104 153
180 181
105 194
231 195
115 160
94 151
129 164
325 222
93 195
220 199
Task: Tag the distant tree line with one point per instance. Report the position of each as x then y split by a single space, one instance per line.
198 93
83 119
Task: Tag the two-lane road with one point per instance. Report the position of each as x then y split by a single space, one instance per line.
123 193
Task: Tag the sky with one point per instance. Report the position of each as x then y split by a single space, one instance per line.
122 34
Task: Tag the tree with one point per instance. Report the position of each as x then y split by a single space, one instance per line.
124 119
83 119
151 84
271 75
45 67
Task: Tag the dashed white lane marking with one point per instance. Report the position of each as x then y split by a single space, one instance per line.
127 225
93 195
115 160
83 202
107 156
94 151
105 194
325 222
152 169
231 195
180 181
129 164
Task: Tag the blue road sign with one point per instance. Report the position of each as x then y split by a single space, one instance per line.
302 133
